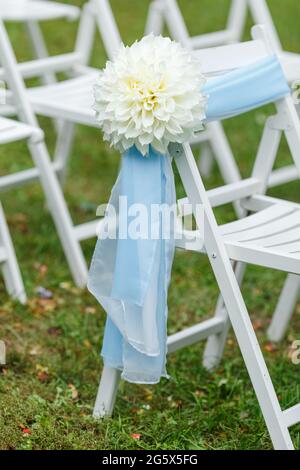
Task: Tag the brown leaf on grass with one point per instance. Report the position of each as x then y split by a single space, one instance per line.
270 348
20 221
35 350
87 343
54 331
90 310
257 325
74 391
42 376
42 373
136 436
41 268
39 306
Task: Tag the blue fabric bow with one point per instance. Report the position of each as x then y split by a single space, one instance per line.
130 277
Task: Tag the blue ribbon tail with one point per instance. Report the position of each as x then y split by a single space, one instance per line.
130 274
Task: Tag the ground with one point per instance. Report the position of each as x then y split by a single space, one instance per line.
48 387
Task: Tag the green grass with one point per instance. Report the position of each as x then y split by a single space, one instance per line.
53 367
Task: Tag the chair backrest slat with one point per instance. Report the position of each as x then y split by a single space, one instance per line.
216 60
94 13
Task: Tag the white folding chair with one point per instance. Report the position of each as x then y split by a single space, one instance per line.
18 11
11 131
265 238
167 11
70 100
44 170
213 141
9 264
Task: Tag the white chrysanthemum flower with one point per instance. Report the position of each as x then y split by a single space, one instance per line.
150 94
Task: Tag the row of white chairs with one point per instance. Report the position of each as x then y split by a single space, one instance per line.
70 103
57 100
265 237
167 12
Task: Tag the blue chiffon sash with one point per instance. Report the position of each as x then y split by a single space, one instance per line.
130 277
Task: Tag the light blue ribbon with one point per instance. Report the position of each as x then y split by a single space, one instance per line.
130 278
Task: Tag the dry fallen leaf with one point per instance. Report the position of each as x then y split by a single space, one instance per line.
74 391
90 310
39 306
257 325
87 344
35 350
270 347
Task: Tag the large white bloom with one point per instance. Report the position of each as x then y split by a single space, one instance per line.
150 94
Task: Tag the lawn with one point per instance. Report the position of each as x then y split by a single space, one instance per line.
48 387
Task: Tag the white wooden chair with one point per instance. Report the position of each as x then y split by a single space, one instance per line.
213 141
265 238
48 100
9 264
11 131
76 105
69 235
168 11
17 11
70 101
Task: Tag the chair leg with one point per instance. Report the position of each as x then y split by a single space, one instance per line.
206 160
12 276
285 308
155 19
107 393
61 216
224 157
253 358
215 344
63 148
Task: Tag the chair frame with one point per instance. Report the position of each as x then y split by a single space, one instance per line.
75 62
168 11
69 235
228 266
9 264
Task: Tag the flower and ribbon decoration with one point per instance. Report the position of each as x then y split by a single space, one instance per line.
152 94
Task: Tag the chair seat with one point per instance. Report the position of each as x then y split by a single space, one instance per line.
12 130
23 10
71 99
269 238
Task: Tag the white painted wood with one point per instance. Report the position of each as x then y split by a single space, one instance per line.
194 334
292 416
32 10
285 309
234 302
171 14
42 162
106 393
70 101
248 240
9 264
215 345
2 353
